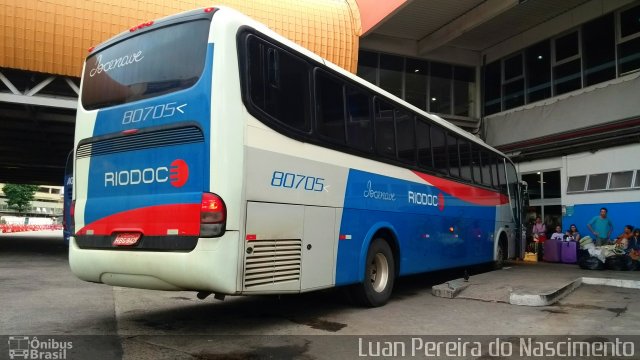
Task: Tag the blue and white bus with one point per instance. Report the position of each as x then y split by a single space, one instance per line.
212 154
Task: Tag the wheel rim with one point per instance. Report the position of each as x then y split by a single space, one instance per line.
500 256
379 272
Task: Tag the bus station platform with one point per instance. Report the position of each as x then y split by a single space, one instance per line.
533 283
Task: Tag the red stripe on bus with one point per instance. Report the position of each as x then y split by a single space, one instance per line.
152 220
468 193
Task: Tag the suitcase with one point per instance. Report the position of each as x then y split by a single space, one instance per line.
551 251
569 252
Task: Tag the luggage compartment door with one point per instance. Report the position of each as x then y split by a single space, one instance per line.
273 248
318 248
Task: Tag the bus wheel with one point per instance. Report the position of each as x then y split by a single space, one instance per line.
500 253
379 275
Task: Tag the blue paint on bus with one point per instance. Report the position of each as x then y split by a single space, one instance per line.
108 195
436 235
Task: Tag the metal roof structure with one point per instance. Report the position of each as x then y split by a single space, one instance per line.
44 43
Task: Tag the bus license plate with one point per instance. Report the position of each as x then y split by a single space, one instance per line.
126 239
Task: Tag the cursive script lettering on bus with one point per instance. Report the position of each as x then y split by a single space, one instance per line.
378 194
116 63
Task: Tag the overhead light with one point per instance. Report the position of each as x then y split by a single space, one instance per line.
539 57
416 70
433 99
538 173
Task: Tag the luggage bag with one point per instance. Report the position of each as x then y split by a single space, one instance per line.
551 251
569 252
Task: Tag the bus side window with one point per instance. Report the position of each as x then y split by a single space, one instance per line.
477 168
439 147
494 171
273 66
255 51
486 167
502 176
406 136
279 84
423 138
330 107
385 129
359 128
454 160
465 159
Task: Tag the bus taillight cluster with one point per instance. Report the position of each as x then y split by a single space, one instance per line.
213 215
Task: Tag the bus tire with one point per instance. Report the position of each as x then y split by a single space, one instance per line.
379 276
501 251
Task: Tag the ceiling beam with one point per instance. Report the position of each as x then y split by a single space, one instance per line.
65 103
466 22
12 114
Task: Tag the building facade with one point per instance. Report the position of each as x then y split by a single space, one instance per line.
552 84
48 202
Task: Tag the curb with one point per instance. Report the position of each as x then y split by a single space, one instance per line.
450 289
524 299
629 284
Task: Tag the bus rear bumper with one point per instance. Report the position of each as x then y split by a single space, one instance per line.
211 266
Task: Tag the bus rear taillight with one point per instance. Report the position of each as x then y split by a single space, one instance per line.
213 216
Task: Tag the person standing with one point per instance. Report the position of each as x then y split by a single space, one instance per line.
539 228
601 228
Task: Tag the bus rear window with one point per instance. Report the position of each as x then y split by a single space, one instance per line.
153 63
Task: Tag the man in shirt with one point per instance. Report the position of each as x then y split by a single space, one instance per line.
601 227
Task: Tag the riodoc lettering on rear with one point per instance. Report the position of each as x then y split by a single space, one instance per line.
177 174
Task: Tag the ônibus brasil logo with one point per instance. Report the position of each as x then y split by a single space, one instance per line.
177 174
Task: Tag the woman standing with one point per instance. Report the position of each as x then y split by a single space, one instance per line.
539 230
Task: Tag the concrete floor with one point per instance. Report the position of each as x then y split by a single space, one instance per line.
40 296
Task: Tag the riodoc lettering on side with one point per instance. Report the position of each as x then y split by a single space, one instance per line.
115 63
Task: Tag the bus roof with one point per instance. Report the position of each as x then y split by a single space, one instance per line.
342 72
262 28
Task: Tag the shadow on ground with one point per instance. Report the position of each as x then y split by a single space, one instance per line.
32 244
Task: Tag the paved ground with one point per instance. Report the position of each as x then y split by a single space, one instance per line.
40 296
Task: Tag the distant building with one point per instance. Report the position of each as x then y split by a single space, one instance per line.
553 84
47 203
